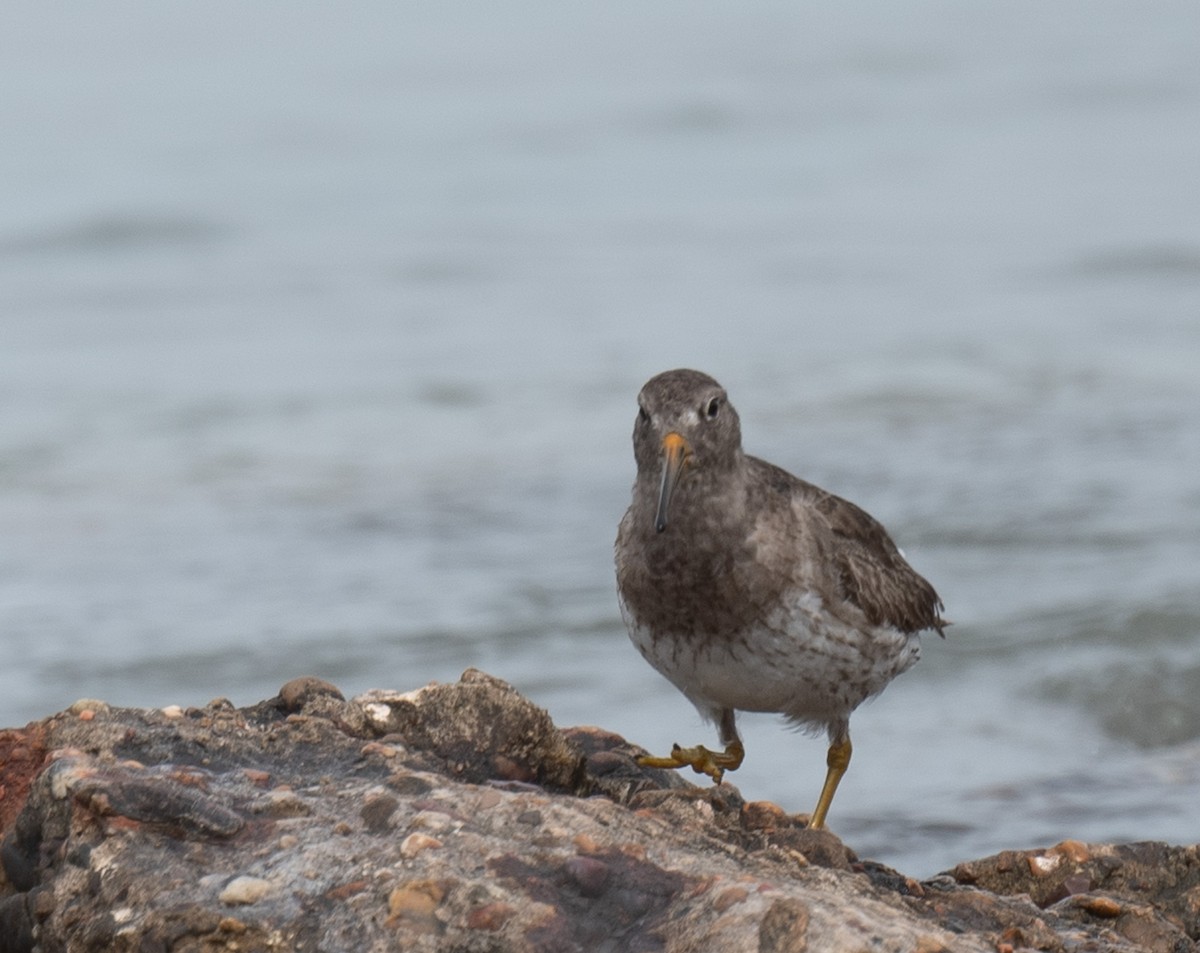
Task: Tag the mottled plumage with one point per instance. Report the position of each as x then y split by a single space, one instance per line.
750 589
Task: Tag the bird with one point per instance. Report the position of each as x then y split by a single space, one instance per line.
750 589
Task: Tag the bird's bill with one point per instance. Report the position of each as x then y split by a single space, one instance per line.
675 454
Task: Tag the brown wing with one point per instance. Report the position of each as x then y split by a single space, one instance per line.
871 571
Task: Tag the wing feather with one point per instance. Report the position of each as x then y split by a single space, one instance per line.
872 572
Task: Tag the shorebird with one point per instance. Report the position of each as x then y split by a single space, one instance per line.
752 590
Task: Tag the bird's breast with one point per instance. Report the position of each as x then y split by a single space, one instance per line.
799 661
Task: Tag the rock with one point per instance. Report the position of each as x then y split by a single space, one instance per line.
480 729
458 817
1148 893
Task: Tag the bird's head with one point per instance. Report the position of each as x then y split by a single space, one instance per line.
686 429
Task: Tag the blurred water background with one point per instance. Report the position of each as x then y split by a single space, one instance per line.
321 329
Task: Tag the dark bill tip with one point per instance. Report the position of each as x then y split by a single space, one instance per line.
675 454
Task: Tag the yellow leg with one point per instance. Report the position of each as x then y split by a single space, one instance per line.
838 759
700 759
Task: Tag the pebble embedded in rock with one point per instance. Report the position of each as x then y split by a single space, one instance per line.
380 749
607 762
431 820
763 816
244 890
490 917
729 897
414 904
1101 906
1040 866
283 802
412 900
344 891
589 874
784 929
414 843
87 704
377 812
1075 851
296 693
586 843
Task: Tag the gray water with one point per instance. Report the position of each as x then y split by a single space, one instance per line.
321 329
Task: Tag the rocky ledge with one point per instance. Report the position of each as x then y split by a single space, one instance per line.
459 818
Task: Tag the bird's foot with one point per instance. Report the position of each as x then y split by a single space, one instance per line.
700 759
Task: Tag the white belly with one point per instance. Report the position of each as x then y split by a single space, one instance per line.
803 663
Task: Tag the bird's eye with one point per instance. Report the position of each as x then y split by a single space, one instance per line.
643 417
712 408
